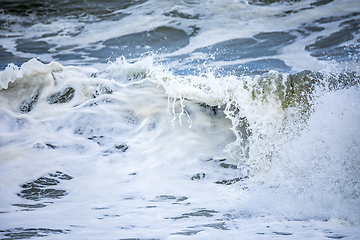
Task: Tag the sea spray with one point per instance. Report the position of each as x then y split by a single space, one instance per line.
269 113
282 159
264 110
257 106
244 124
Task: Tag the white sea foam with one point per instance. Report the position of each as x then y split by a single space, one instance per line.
138 149
297 157
216 22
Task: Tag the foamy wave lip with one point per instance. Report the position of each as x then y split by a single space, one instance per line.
122 71
9 75
32 67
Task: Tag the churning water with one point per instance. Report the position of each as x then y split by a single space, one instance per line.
180 119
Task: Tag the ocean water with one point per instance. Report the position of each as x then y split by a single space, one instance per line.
180 119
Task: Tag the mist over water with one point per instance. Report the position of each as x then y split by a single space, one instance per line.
179 119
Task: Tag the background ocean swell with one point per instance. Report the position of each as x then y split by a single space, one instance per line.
135 148
239 36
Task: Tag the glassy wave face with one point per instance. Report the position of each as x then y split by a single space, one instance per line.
180 119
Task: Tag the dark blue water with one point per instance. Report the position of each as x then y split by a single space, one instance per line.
64 31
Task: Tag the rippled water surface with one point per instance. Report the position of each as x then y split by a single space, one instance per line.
179 119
